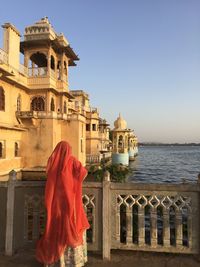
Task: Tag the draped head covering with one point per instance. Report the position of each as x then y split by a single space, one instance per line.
66 219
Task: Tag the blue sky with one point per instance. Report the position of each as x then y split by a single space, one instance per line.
137 57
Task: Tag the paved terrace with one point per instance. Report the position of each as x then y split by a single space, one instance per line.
118 259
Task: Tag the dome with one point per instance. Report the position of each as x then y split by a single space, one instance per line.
120 123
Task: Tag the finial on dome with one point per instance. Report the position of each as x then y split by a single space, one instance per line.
120 123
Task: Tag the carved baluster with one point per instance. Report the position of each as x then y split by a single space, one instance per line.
166 227
93 218
153 227
179 229
141 226
118 223
129 225
190 230
118 205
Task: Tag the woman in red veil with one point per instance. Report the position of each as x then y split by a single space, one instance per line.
66 220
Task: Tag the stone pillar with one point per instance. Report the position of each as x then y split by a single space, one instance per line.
62 67
49 63
106 217
10 213
26 59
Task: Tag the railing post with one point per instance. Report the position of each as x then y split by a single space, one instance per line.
154 234
106 216
10 213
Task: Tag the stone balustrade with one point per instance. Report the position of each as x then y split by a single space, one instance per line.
125 216
93 158
42 115
37 72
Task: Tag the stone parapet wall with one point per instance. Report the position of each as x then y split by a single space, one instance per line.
125 216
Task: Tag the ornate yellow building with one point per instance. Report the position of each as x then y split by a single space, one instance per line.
37 109
97 129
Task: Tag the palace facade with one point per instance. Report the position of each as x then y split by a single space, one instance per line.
37 108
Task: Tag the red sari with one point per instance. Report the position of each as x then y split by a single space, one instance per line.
66 219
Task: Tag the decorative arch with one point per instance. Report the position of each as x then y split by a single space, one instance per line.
121 143
2 99
38 104
39 59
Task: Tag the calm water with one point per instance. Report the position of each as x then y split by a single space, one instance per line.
166 164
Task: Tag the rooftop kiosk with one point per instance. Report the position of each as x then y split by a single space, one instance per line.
124 143
120 142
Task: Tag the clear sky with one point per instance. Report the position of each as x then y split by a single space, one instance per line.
137 57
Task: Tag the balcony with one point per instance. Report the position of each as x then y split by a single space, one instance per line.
40 78
41 115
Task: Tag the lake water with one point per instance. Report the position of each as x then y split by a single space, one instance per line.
166 164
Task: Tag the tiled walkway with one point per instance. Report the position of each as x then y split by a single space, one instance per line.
118 259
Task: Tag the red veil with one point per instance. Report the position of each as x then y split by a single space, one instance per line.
66 219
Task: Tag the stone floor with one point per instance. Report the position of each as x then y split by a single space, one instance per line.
118 259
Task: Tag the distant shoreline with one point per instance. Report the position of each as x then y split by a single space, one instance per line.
169 144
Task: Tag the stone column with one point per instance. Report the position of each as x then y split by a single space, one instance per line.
62 67
10 213
117 141
106 217
26 59
49 63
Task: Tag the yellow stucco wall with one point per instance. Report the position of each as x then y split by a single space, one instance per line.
38 133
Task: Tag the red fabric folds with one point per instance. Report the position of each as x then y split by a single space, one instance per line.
66 219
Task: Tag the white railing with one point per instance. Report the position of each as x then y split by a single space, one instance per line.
155 218
93 158
23 70
3 57
41 115
37 72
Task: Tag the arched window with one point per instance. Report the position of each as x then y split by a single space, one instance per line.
16 149
2 99
120 144
19 103
65 107
38 65
37 104
52 104
1 150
